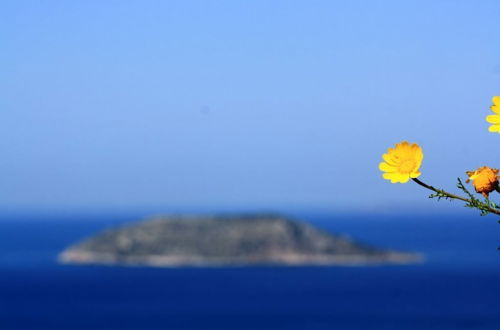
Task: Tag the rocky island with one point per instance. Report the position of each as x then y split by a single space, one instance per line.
226 241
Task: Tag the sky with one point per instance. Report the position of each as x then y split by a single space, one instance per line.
241 104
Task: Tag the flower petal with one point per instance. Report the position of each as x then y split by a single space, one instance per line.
415 174
419 154
391 151
384 167
401 178
389 160
396 177
495 109
494 128
493 119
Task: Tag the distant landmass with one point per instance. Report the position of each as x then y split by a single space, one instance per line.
243 240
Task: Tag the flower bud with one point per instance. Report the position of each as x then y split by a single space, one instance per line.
484 180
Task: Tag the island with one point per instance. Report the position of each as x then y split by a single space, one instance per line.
242 240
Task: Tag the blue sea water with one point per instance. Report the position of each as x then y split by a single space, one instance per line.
457 288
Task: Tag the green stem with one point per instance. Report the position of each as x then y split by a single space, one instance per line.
423 184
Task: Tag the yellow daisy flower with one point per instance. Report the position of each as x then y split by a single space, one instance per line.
494 119
484 180
402 162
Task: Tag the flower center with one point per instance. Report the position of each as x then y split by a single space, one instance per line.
407 166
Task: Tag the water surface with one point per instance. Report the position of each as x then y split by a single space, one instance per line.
457 288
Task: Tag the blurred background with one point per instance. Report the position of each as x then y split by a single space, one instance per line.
112 111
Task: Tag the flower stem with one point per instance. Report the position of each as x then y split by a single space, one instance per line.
423 184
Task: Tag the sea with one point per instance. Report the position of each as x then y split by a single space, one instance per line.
458 287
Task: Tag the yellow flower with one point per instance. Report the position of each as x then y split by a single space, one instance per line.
402 162
484 180
494 119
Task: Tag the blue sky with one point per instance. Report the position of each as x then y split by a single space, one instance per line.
230 104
